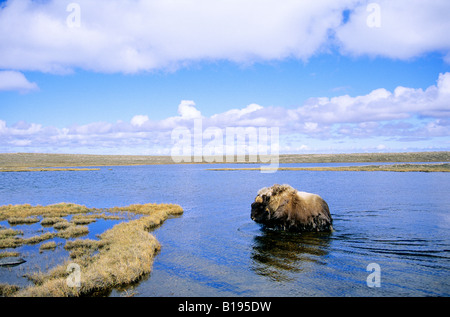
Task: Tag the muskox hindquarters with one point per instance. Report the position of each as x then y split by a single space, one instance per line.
283 207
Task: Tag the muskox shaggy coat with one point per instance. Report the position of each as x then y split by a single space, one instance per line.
283 207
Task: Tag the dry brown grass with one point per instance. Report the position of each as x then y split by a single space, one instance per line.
6 233
122 255
8 238
73 231
22 220
8 254
13 242
24 160
38 239
48 246
366 168
57 210
8 290
84 244
51 221
83 219
45 169
61 225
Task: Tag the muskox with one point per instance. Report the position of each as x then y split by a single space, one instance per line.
283 207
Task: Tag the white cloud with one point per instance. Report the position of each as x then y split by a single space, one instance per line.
239 117
187 110
379 118
408 28
238 113
139 120
444 85
380 105
136 35
15 81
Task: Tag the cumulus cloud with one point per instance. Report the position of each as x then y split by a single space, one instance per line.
187 110
130 36
15 81
239 117
139 120
405 115
379 105
405 29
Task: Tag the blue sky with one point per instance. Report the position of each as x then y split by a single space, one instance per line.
318 70
85 97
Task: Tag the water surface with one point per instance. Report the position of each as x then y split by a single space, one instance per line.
401 221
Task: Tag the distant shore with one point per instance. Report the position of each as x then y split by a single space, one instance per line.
10 161
45 169
442 167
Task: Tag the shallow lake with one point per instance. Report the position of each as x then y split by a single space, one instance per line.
399 222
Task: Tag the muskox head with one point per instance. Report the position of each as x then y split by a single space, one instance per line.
260 210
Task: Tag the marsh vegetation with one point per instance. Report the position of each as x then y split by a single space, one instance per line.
121 255
45 169
442 167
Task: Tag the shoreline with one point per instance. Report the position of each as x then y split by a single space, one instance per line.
427 168
48 162
45 169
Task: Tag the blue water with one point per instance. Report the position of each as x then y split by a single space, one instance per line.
400 221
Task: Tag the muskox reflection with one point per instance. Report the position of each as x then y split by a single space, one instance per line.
280 255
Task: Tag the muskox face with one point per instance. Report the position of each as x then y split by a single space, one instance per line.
260 211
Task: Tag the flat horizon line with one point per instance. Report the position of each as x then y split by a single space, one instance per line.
71 160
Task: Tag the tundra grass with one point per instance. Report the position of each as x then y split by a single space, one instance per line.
8 290
73 232
8 254
9 242
122 255
7 233
61 225
43 169
51 221
22 220
47 246
57 210
39 160
83 219
38 239
70 232
8 238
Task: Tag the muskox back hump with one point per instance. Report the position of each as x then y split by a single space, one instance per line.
306 195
